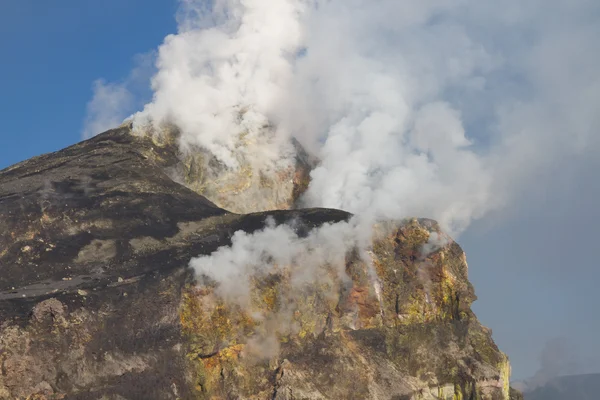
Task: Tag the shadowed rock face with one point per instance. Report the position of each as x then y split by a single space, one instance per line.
97 300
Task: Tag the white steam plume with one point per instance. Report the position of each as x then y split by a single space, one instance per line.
314 263
441 109
276 249
219 82
382 92
434 108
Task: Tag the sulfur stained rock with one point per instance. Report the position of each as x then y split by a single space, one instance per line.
409 332
244 189
97 300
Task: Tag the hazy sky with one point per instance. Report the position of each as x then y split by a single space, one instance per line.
532 262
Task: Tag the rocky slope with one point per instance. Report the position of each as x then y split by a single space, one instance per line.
97 300
243 190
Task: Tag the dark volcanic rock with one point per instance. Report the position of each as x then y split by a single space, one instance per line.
97 300
94 247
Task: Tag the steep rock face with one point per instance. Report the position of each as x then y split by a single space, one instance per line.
406 332
243 190
97 300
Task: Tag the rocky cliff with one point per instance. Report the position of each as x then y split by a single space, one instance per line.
243 190
97 299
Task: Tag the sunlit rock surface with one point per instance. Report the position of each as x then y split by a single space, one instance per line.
248 188
97 300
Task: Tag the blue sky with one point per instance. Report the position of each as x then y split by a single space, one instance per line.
52 52
533 267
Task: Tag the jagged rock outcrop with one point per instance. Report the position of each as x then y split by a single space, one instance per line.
97 300
409 333
243 190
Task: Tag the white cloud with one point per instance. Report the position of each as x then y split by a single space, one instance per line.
112 103
107 109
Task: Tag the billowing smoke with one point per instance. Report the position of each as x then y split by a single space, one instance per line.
293 266
439 109
221 77
277 250
435 108
350 81
383 93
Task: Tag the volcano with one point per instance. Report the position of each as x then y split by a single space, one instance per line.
97 299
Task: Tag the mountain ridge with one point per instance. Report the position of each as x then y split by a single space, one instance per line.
568 387
97 300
